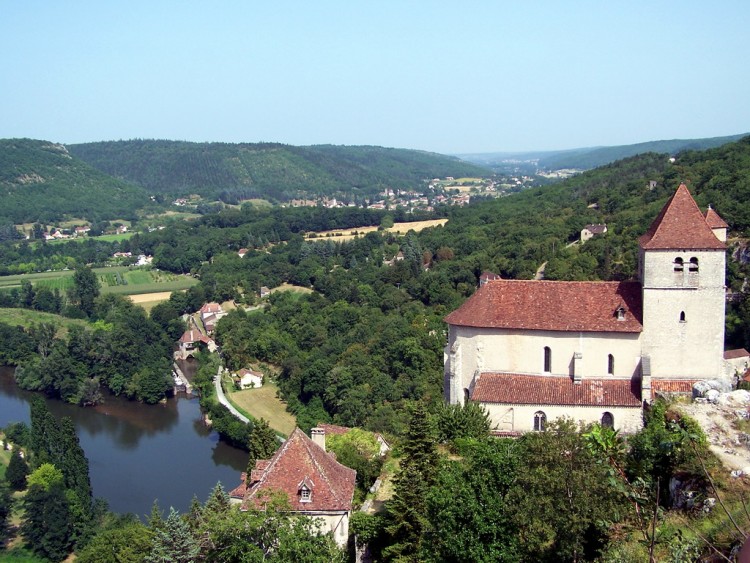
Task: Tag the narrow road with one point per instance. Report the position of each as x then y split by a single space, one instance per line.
223 399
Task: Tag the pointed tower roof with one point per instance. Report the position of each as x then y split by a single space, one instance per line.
680 225
714 220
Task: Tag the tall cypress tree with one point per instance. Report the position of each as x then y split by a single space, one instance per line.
17 471
262 443
47 526
407 510
6 506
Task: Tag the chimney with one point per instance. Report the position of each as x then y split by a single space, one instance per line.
318 436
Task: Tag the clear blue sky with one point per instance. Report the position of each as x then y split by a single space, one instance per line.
445 76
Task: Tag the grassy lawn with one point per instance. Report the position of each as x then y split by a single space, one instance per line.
27 317
263 403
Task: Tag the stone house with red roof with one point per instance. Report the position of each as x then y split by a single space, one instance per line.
533 351
315 484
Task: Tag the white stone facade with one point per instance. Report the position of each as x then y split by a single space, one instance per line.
683 312
679 336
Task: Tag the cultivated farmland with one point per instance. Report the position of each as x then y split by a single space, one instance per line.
123 280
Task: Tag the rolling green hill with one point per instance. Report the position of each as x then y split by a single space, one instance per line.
592 157
42 181
233 172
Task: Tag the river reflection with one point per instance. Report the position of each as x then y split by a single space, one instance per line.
138 453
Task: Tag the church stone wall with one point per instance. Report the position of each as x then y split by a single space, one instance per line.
471 350
520 418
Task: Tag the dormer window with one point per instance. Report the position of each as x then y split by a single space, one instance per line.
304 490
305 494
620 313
679 264
693 265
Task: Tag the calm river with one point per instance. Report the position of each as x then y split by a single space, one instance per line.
139 453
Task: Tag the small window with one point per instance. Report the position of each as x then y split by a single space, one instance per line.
682 316
610 364
540 421
679 265
608 421
547 360
305 494
693 266
621 313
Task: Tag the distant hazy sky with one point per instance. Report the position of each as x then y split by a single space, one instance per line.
446 76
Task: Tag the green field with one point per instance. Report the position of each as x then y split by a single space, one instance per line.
122 280
106 238
263 403
27 317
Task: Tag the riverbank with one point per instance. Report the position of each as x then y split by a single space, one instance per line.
140 453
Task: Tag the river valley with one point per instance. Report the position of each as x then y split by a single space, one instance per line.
139 453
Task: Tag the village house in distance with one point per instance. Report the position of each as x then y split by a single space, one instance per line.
534 351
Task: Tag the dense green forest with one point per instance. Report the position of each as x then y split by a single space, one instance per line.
42 182
235 172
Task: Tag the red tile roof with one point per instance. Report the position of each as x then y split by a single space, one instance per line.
193 335
510 388
334 429
489 276
734 354
299 460
672 385
552 305
210 308
680 225
714 220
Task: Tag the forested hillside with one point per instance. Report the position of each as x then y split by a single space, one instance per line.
233 172
593 157
373 329
42 182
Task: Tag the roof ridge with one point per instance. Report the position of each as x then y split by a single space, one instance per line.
320 469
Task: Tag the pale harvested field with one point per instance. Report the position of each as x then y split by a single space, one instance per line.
462 189
146 297
263 403
290 287
149 300
400 228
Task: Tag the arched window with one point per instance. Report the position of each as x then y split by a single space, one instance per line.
466 395
682 316
610 364
678 264
693 266
540 421
608 421
547 360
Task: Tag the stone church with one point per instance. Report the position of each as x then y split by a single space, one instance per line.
533 351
